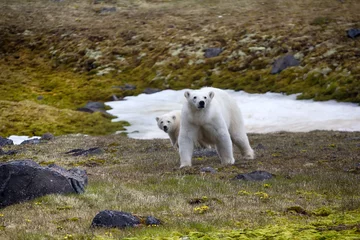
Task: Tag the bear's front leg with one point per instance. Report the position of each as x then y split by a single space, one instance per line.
186 145
224 148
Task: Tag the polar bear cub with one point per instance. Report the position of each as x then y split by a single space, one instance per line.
215 116
170 123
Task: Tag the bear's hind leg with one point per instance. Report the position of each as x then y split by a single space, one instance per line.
242 142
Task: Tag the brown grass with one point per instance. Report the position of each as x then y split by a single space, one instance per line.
313 170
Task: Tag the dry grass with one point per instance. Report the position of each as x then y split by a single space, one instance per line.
315 171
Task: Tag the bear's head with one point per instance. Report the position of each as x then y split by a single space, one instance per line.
167 122
199 99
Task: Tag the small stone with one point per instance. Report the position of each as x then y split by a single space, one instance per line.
254 176
260 147
283 63
150 221
31 141
212 52
151 90
82 152
353 33
207 170
47 137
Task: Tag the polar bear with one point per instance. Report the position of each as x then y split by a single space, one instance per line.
215 116
170 123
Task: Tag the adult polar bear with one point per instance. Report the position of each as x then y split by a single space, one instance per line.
213 115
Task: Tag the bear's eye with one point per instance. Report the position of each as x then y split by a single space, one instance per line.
194 97
168 121
162 122
204 97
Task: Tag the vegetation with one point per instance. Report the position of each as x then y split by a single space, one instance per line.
55 56
312 196
65 53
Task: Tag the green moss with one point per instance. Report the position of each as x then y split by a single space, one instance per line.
32 119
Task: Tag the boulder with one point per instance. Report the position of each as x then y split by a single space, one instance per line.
24 180
254 176
283 63
5 141
115 219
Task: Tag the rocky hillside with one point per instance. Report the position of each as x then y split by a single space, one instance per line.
65 53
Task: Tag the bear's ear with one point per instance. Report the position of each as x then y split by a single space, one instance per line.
211 94
157 119
187 94
174 117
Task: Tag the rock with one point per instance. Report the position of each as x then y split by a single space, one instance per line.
10 152
5 141
92 107
353 33
126 87
254 176
151 221
151 90
115 219
31 141
283 63
82 152
47 137
260 147
107 10
205 152
24 180
207 170
212 52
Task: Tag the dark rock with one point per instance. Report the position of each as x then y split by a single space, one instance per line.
207 170
126 87
95 105
205 152
47 137
40 98
108 10
114 98
352 139
260 147
151 90
92 107
212 52
297 210
10 152
115 219
353 33
150 221
25 180
31 141
5 141
82 152
254 176
283 63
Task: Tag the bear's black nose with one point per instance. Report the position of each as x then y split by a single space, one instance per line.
165 128
201 104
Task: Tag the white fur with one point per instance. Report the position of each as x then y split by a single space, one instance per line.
214 116
170 123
